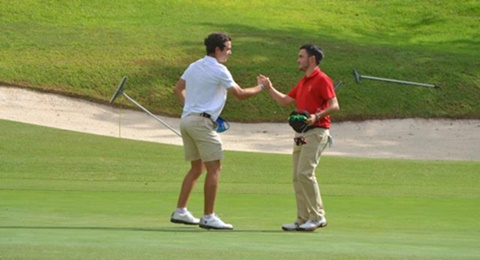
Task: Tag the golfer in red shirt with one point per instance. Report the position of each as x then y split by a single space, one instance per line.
314 94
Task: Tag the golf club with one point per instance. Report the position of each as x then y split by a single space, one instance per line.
121 92
358 77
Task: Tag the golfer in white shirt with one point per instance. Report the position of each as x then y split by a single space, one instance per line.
203 89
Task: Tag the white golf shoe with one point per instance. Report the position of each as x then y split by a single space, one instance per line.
214 223
184 218
312 225
290 227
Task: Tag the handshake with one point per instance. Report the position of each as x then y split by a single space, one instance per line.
264 82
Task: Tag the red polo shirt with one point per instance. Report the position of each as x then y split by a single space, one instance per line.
312 94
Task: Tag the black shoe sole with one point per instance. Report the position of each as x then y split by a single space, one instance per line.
296 229
286 229
176 221
216 228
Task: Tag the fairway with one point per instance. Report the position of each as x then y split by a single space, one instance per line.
67 195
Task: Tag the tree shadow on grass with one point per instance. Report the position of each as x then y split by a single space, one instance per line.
256 49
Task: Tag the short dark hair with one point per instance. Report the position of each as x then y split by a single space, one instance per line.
215 40
313 50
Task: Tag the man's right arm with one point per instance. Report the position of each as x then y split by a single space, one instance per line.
281 98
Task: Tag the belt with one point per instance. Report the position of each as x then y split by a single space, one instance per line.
203 114
313 127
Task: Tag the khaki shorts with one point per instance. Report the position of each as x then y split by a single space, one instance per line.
200 140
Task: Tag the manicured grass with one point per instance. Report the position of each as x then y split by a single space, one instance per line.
65 195
84 48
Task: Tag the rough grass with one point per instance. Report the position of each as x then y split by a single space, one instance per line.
84 49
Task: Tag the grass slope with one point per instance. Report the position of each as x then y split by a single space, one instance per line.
84 48
65 195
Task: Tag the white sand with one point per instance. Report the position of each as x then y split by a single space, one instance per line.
405 139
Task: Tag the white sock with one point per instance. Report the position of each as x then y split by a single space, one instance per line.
181 210
209 216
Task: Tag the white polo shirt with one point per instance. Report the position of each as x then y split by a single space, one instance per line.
207 82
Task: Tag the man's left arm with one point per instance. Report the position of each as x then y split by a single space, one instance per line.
333 106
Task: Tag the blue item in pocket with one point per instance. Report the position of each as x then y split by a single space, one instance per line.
222 125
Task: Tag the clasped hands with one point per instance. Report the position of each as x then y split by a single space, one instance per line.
265 81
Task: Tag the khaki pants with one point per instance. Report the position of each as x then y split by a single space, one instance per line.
305 160
200 140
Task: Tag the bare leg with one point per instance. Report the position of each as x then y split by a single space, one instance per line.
189 181
211 185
